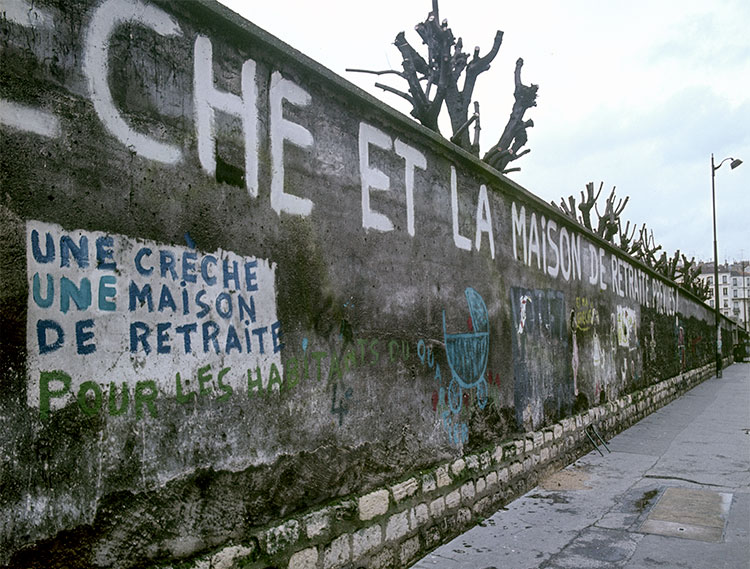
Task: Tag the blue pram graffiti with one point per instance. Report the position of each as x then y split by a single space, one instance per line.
467 354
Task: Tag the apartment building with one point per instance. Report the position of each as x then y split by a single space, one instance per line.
734 289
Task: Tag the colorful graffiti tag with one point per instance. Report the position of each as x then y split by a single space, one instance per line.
467 354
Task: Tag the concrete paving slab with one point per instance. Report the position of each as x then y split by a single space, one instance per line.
690 511
596 548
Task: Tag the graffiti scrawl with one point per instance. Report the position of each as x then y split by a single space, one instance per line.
574 360
626 324
522 324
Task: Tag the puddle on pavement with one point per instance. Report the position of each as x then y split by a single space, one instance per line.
552 497
644 501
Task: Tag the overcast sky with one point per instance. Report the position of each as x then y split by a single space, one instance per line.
634 94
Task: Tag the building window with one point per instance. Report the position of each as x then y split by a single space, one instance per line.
726 303
711 303
724 279
710 281
734 292
724 291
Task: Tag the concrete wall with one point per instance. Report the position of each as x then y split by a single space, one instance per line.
250 315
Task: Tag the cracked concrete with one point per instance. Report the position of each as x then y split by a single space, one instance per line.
591 514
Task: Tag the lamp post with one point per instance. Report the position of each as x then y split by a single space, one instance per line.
744 294
733 164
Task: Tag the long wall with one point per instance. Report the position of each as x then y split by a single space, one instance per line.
251 315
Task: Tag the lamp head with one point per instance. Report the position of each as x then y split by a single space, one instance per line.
734 163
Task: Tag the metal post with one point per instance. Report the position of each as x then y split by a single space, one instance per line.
744 294
716 273
593 442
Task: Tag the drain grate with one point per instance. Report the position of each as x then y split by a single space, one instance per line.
689 514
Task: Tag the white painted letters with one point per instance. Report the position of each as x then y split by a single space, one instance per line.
282 129
414 159
107 17
519 230
461 241
553 270
534 242
565 256
207 99
484 221
371 177
594 270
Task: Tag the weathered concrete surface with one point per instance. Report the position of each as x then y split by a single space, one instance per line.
593 515
689 514
236 291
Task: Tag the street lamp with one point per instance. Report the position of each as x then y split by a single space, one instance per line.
733 164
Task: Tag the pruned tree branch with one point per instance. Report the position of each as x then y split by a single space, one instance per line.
457 101
477 129
385 72
395 92
587 203
514 136
625 237
424 110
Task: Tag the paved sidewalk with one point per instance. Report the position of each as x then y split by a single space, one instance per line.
673 493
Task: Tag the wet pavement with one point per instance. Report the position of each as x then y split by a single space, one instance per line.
673 493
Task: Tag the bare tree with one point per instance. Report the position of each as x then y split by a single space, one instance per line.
648 247
608 224
625 238
434 81
569 208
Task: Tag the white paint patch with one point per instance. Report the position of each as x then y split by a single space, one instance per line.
107 308
29 119
25 14
23 117
626 327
